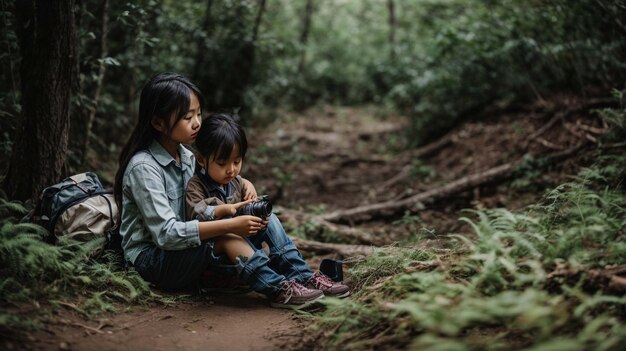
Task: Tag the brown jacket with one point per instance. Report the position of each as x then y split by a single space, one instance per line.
203 194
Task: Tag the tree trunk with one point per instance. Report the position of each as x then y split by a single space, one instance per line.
46 32
304 35
393 24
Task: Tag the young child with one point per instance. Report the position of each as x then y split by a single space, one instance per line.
154 168
217 190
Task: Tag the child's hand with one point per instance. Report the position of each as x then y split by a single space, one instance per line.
229 210
245 226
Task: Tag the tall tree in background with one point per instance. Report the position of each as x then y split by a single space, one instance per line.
304 34
201 42
47 38
243 61
393 24
225 69
90 91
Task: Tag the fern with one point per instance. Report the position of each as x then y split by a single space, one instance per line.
494 295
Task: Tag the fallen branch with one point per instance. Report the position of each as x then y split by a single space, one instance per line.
549 145
592 280
557 117
417 201
343 250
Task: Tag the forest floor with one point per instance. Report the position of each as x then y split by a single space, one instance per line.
331 158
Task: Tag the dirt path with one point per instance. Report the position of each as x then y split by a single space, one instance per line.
240 322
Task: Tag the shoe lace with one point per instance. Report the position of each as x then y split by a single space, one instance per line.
322 279
292 288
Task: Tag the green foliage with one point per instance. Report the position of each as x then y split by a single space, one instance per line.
615 118
384 263
498 294
485 53
449 59
33 270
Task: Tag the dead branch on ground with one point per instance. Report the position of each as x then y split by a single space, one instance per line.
559 116
562 115
606 279
343 250
417 201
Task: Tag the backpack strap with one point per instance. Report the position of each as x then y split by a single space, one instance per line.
109 205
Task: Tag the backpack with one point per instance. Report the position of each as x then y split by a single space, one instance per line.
81 209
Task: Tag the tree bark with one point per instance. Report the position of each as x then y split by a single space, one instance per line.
46 32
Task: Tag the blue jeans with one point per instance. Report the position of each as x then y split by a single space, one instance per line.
284 257
177 270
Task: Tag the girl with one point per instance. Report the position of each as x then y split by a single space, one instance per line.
153 172
216 191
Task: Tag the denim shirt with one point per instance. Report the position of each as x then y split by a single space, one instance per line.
153 202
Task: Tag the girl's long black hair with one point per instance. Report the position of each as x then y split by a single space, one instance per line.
164 95
218 135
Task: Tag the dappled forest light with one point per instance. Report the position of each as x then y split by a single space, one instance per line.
465 158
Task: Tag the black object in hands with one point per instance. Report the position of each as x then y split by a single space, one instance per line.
262 208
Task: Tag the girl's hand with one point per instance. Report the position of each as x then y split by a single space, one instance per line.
245 226
250 190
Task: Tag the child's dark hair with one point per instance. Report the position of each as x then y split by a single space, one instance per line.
165 95
219 134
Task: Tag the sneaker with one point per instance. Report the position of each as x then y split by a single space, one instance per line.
295 296
329 287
